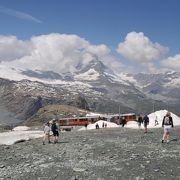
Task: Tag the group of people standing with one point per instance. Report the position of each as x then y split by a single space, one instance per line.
167 125
51 129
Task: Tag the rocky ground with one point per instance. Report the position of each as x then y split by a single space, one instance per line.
104 154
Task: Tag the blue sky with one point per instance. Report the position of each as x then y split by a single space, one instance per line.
105 22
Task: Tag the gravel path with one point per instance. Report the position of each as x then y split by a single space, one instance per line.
104 154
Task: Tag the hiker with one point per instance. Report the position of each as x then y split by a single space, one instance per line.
97 126
146 123
55 130
46 133
140 121
167 124
105 125
86 124
123 121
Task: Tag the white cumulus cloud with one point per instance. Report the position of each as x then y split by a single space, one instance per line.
11 48
172 62
64 52
53 52
139 49
100 50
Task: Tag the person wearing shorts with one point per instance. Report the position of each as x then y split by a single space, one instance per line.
55 130
167 124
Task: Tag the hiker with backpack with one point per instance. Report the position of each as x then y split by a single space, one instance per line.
146 123
55 130
167 124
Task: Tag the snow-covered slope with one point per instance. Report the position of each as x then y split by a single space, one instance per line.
90 75
158 115
100 123
12 137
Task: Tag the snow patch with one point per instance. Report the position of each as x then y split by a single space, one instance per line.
9 138
21 128
91 114
100 123
125 77
175 83
117 79
91 74
19 134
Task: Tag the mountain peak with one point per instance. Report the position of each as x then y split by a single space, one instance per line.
97 65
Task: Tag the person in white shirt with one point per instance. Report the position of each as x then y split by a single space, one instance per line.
46 133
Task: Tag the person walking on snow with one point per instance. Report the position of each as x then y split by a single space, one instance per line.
103 125
167 124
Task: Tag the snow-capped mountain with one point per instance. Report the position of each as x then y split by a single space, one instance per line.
95 87
163 86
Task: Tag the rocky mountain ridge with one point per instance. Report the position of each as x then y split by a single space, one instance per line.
94 88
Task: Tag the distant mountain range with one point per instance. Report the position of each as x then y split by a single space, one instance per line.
95 87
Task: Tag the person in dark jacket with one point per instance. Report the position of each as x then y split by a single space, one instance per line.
97 126
140 121
146 123
55 130
86 124
123 121
167 124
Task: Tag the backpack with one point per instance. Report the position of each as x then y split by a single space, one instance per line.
54 127
146 119
167 121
